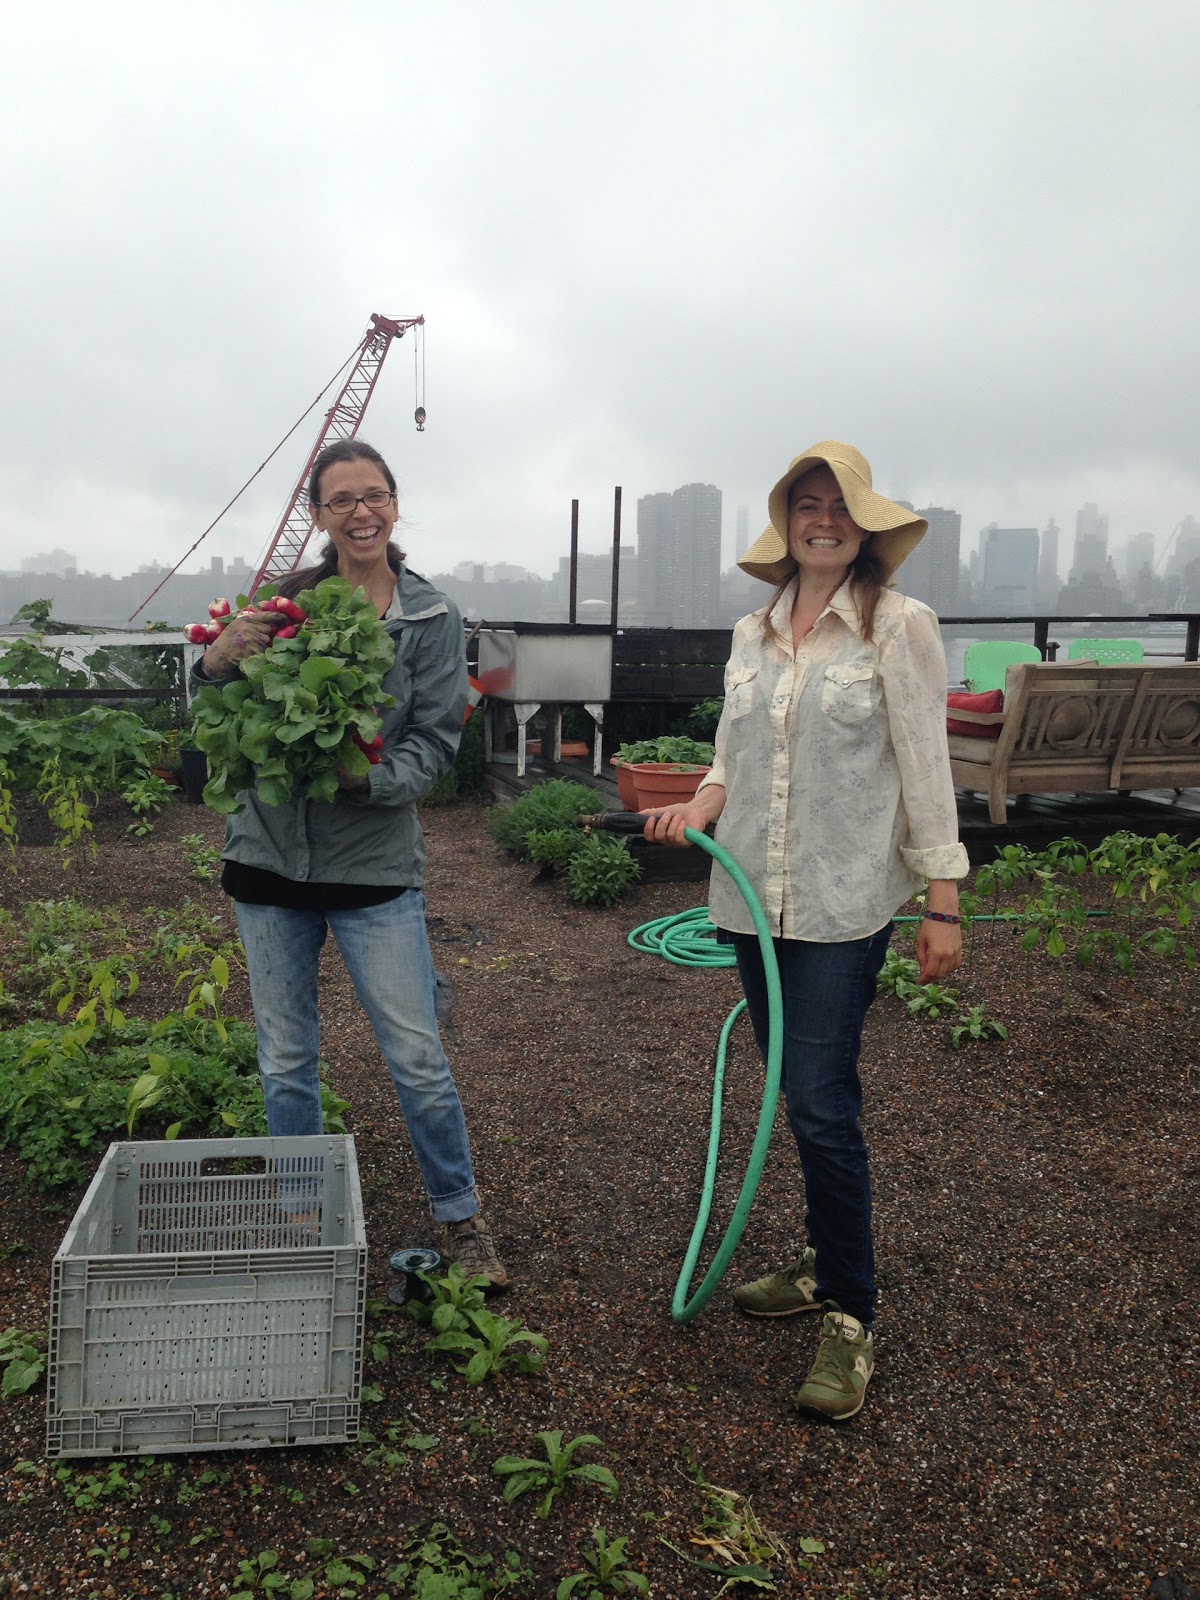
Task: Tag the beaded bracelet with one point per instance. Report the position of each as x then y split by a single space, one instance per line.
941 916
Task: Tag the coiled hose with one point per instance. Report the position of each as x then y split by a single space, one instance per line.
688 940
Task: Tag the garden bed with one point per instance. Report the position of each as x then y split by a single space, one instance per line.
1031 1426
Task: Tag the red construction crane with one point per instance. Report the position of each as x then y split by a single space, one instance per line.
342 421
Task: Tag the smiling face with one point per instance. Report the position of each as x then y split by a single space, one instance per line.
822 535
361 536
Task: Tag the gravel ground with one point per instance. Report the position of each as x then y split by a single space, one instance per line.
1032 1426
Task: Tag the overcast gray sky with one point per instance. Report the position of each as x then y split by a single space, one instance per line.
655 242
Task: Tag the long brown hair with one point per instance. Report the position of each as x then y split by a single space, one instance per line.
339 450
867 577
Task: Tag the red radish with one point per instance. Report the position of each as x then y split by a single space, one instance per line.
290 609
289 632
220 608
196 633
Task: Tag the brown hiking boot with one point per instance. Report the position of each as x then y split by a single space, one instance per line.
469 1242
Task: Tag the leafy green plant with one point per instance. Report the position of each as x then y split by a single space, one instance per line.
203 858
549 1477
931 999
23 1361
62 795
548 806
553 848
975 1028
601 870
263 1577
607 1572
673 749
473 1339
701 721
145 796
292 713
435 1566
898 975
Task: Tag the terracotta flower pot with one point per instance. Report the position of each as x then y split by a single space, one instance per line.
662 783
626 787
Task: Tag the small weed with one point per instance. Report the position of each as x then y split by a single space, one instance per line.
23 1361
549 1477
975 1028
203 858
117 1548
434 1566
607 1572
473 1339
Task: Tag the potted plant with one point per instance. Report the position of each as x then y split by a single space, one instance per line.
679 762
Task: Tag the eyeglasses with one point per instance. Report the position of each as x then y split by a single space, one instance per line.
342 504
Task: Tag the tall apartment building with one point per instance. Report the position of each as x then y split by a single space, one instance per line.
1091 542
930 573
1010 569
1139 553
1048 581
743 533
679 557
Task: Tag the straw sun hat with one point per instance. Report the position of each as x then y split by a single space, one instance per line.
894 529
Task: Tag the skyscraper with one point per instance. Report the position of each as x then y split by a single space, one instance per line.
1048 582
1010 567
1139 553
679 557
743 533
930 573
1091 542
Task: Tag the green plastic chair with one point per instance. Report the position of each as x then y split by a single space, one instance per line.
986 662
1107 652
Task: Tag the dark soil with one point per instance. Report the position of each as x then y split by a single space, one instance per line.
1032 1429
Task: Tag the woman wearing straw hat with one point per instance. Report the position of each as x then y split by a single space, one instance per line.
831 788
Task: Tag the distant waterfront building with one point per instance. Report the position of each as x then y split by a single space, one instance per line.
1186 548
58 563
593 580
1139 553
1010 569
679 557
931 572
743 533
1091 542
1048 582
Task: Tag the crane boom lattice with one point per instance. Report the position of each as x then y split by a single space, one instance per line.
342 421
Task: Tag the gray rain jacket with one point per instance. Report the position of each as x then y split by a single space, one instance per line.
375 837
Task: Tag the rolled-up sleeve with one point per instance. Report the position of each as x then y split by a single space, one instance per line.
913 667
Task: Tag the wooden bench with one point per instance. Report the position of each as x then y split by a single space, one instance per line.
1079 728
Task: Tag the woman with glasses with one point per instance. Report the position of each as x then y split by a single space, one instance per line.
355 867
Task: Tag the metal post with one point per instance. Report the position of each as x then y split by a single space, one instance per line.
571 605
616 561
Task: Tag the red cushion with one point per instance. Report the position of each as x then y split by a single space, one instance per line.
992 701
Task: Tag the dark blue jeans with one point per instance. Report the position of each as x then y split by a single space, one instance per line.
827 991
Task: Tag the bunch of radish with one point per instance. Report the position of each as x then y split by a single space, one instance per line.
285 614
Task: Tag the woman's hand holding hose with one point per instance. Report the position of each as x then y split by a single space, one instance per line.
666 824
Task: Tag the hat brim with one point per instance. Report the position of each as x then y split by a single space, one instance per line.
895 531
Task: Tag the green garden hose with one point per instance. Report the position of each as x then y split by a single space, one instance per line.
688 940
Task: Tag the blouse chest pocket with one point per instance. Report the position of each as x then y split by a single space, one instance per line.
739 692
850 692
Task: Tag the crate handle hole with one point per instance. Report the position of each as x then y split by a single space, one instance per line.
231 1166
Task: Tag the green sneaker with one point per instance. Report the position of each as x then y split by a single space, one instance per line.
782 1294
837 1381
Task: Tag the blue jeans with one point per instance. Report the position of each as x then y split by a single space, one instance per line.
827 991
386 951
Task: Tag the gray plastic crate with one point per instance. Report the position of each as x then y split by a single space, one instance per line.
209 1295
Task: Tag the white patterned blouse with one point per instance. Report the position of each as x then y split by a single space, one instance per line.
839 803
